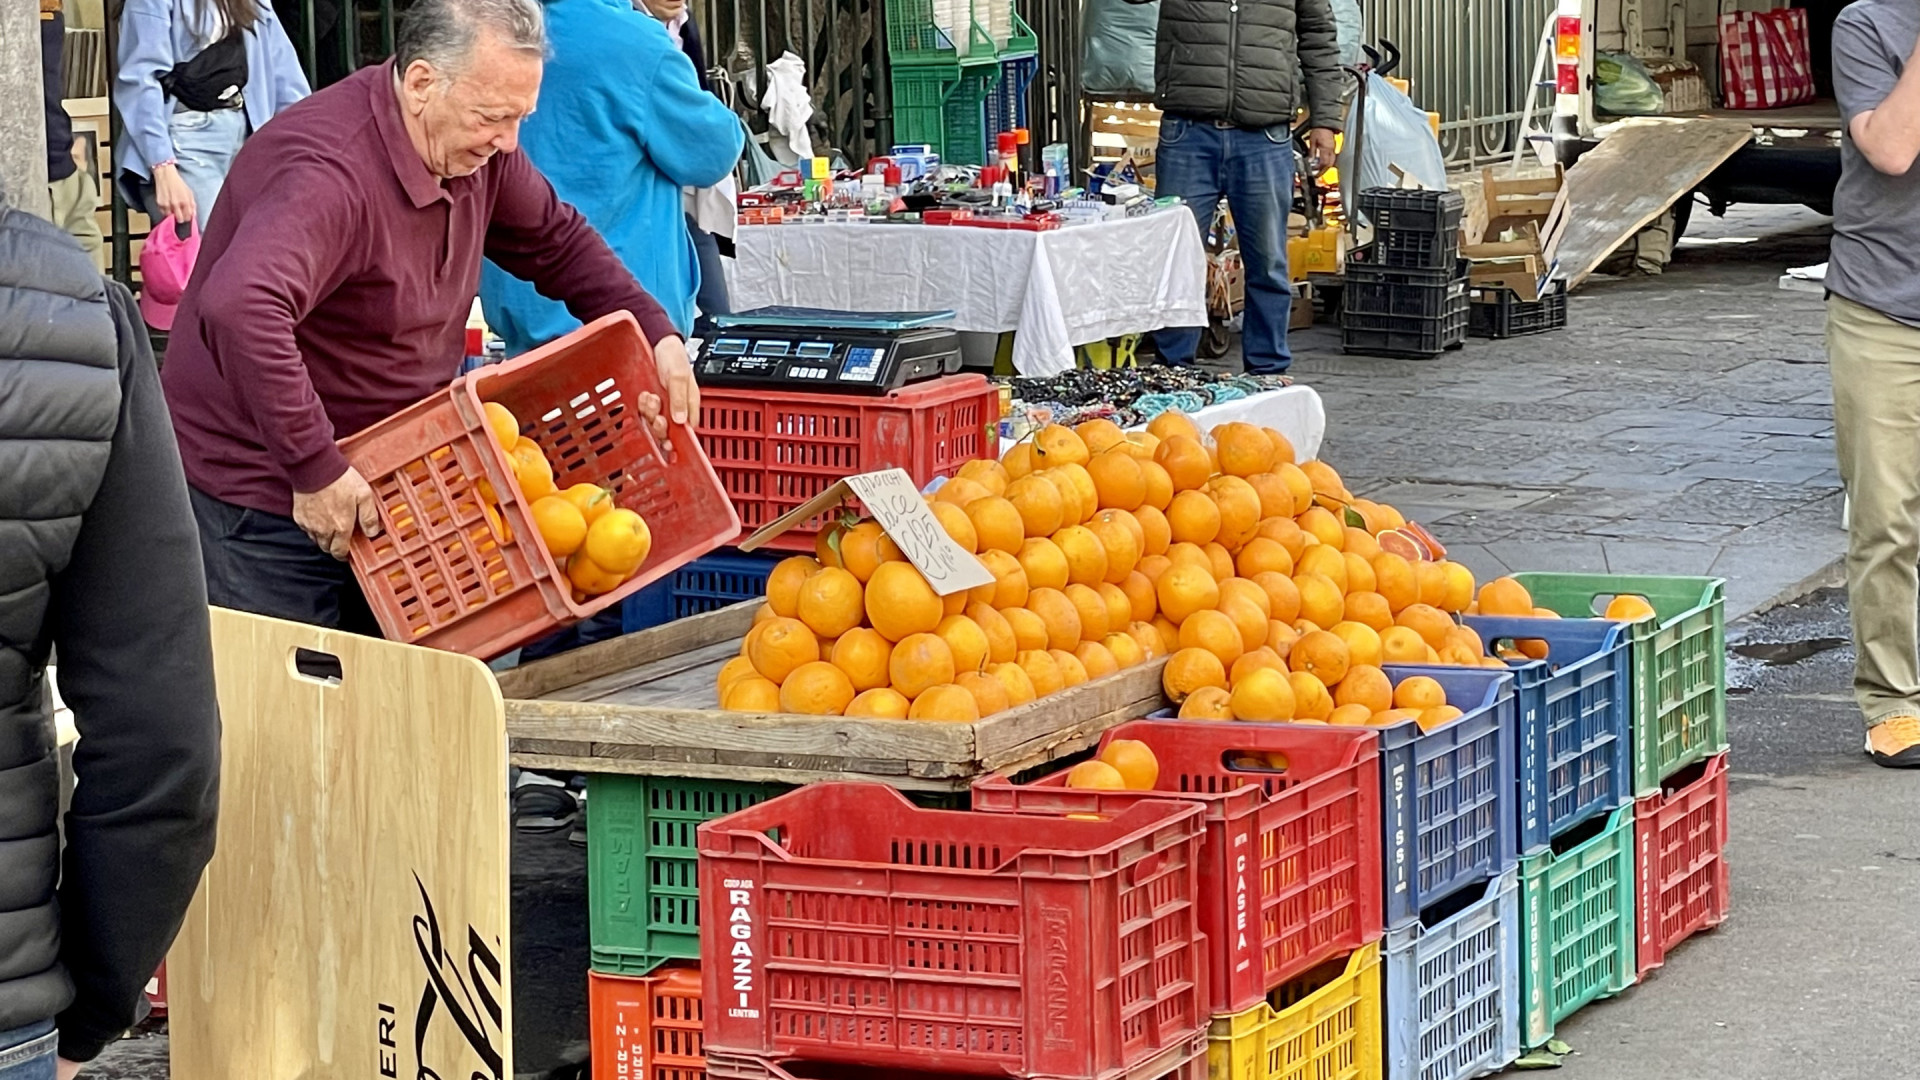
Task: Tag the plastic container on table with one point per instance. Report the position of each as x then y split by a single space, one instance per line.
1446 795
774 450
708 583
1290 866
646 1028
439 574
1576 925
1680 861
1452 988
1678 660
862 930
643 904
1499 313
1323 1025
1574 743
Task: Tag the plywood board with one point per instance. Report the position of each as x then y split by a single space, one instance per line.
1639 170
353 922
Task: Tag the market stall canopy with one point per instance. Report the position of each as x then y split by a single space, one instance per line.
1641 168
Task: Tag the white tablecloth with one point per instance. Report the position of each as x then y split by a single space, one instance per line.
1296 411
1054 289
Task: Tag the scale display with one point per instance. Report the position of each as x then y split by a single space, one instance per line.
836 359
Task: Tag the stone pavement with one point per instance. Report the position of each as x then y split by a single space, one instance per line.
1811 975
1682 424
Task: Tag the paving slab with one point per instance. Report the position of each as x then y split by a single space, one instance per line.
1680 424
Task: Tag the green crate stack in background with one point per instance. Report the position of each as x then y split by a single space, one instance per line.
947 56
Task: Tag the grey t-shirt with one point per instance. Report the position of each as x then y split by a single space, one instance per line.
1876 217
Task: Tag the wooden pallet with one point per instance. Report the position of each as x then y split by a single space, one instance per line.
645 704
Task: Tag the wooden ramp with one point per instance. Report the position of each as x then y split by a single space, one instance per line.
1639 170
353 922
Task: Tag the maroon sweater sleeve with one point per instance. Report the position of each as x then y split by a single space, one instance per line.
537 238
287 254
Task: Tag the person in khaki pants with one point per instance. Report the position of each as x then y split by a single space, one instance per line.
71 187
1873 344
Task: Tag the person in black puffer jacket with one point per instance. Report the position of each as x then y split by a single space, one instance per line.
99 560
1227 75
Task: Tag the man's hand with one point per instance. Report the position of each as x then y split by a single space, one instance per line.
683 394
172 194
64 1069
330 514
1320 152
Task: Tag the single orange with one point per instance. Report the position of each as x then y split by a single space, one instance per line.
899 602
1096 776
1189 669
880 703
920 661
1001 645
781 646
1009 586
1419 692
1029 629
946 702
1207 703
816 689
863 654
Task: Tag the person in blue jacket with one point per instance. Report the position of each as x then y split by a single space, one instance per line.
623 125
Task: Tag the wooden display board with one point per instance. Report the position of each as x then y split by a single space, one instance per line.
645 704
353 922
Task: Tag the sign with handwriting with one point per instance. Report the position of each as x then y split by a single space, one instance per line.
896 504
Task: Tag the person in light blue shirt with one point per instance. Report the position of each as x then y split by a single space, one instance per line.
622 126
173 158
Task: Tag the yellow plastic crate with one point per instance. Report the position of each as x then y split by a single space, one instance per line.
1327 1027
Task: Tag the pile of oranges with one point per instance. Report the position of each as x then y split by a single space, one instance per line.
599 545
1274 593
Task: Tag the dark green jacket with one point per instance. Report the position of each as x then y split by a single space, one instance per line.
1243 61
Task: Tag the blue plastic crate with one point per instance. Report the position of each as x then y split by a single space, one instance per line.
1452 989
1446 794
708 583
1007 102
1575 741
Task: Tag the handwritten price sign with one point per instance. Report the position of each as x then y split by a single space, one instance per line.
896 504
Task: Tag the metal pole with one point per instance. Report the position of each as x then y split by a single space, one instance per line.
308 47
349 36
386 28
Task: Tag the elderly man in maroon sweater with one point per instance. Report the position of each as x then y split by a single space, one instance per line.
334 285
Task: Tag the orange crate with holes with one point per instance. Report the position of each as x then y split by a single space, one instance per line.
440 575
776 449
647 1028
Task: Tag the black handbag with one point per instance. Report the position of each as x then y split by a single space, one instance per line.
213 79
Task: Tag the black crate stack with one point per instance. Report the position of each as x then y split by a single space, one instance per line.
1406 293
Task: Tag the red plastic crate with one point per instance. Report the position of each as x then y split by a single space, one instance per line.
843 924
157 992
722 1066
1680 861
776 450
1290 867
646 1028
438 574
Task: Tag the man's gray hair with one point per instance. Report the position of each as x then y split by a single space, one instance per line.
443 32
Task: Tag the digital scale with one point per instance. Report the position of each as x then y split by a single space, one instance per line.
857 352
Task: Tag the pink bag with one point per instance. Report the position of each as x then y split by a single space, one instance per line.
166 263
1765 59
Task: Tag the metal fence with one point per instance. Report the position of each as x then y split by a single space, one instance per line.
1469 61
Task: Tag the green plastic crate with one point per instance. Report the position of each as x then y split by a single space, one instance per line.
1678 660
1576 927
642 882
944 106
914 35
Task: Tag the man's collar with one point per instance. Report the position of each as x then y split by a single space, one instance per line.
383 95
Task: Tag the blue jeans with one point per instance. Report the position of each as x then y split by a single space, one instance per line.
27 1053
1254 171
204 145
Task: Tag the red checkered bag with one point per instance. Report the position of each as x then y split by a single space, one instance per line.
1765 59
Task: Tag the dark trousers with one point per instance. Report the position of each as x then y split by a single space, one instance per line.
712 299
265 564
